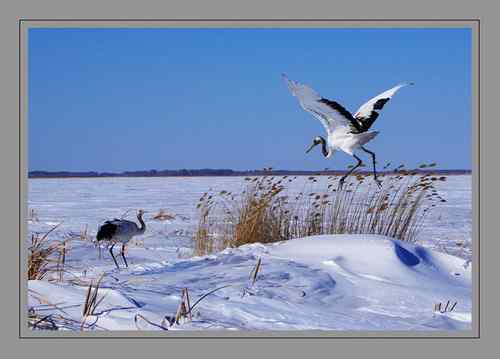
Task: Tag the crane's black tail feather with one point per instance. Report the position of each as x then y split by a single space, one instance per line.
106 231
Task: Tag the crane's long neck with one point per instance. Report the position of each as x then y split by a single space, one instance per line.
142 228
324 150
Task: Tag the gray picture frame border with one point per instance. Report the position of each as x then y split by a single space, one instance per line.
25 333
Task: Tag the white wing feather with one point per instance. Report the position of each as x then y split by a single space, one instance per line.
365 111
310 101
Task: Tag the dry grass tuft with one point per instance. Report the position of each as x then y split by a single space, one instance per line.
265 211
46 257
82 235
33 215
91 300
36 321
163 215
440 307
161 326
57 319
252 279
255 271
184 309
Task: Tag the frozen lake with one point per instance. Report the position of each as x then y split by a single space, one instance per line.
80 203
336 282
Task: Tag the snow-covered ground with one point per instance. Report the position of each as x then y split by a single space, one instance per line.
357 282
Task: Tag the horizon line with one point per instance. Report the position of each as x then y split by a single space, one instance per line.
226 172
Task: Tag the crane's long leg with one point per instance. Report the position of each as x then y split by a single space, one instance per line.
341 182
123 255
374 165
112 255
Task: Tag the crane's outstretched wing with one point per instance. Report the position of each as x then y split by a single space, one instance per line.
331 114
366 114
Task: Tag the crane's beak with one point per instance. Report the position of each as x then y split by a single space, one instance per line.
310 148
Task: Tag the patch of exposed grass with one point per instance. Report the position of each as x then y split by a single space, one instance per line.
163 215
82 235
46 256
268 211
56 319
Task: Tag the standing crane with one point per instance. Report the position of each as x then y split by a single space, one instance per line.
120 230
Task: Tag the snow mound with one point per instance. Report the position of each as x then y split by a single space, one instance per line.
329 282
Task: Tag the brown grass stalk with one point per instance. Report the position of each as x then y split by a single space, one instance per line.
267 211
255 271
45 256
92 300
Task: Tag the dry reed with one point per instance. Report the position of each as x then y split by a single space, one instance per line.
440 307
46 256
266 211
92 301
163 215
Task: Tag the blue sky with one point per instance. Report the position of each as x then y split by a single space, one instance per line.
133 99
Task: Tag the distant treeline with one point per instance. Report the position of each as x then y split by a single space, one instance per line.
218 172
